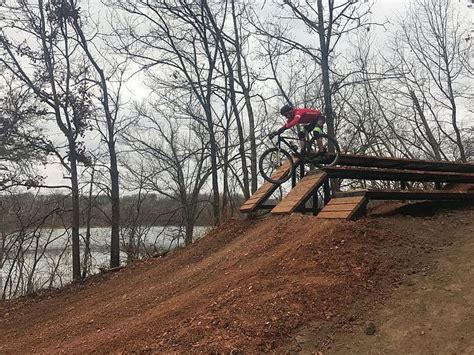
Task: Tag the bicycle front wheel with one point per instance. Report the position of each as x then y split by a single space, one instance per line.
327 151
271 160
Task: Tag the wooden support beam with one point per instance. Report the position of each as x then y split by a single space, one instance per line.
397 174
315 202
266 207
293 176
326 191
398 163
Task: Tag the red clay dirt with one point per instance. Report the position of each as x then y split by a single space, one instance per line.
248 286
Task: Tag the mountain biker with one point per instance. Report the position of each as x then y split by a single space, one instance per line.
311 120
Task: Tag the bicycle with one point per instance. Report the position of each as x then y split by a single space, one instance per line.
272 158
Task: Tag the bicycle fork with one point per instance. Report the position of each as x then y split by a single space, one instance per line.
279 151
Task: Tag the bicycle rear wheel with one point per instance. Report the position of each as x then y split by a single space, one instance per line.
327 151
270 161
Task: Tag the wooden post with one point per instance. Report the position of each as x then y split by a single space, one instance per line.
315 202
293 176
327 191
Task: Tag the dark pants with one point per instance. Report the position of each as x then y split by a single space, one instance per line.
306 132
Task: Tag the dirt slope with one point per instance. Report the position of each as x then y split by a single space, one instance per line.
249 285
431 313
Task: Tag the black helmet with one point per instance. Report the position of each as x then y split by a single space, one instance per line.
287 108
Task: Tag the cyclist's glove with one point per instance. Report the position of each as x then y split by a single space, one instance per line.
277 133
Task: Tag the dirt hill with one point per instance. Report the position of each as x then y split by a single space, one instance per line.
251 286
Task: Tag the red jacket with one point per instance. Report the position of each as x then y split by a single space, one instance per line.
302 116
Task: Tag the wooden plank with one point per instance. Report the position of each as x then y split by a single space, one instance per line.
299 193
343 208
351 193
334 215
400 163
261 194
265 191
358 206
344 200
397 174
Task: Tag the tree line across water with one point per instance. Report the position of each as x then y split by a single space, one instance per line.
55 210
171 101
35 234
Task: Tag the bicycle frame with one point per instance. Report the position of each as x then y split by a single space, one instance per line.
302 157
319 159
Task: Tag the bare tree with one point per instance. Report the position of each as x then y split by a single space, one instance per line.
48 65
175 36
237 78
26 244
19 133
433 50
331 21
177 161
372 124
110 103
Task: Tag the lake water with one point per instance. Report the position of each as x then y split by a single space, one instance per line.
44 258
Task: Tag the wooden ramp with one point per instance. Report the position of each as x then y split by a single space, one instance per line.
299 193
265 191
344 208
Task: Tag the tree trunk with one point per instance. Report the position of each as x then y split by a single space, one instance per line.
431 139
214 168
233 100
452 100
325 71
323 42
115 201
114 174
248 103
189 230
76 259
225 173
87 247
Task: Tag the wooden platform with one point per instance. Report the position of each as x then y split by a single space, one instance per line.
344 208
358 167
265 191
400 163
299 193
397 174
